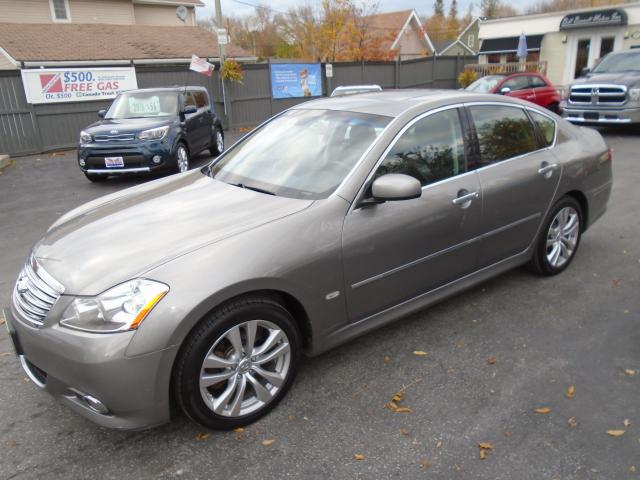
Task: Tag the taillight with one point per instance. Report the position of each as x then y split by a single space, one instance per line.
607 156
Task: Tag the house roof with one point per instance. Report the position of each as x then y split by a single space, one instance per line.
392 25
457 41
95 42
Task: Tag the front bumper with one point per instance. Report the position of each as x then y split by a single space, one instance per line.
599 116
138 157
92 374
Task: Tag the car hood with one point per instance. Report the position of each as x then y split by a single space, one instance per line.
121 236
629 79
128 125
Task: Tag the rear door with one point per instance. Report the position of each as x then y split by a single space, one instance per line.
520 88
205 127
395 251
192 124
518 174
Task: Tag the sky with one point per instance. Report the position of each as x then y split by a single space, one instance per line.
240 7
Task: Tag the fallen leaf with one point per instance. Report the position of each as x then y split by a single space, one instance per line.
616 433
460 344
507 434
5 354
398 396
632 469
616 282
425 464
626 422
405 432
268 442
543 410
571 392
625 311
492 360
630 372
358 456
387 359
2 321
439 444
403 410
457 467
12 444
420 353
485 446
572 422
290 418
393 403
202 436
483 454
239 430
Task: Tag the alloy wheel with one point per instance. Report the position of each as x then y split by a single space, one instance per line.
562 236
183 159
245 368
219 141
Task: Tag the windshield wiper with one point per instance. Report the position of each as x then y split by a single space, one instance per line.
255 189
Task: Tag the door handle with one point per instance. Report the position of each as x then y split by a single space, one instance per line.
546 169
464 197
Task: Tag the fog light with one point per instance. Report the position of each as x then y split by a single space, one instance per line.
156 159
82 162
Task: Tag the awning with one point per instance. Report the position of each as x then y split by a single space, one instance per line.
509 44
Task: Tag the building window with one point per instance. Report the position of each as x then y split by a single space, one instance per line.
60 10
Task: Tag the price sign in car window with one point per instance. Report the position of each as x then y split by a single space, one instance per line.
144 105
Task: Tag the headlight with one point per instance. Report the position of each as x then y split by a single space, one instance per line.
120 308
634 94
85 137
154 133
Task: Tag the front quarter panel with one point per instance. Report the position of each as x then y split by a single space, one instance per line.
299 255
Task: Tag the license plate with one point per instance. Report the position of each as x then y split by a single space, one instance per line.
113 162
591 115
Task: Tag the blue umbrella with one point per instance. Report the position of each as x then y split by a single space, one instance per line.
522 47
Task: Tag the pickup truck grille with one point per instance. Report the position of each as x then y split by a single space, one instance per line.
598 94
35 293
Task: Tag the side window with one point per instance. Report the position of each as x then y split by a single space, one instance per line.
546 126
200 98
503 132
188 99
516 83
536 82
432 149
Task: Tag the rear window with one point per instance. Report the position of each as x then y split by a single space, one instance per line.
546 126
503 132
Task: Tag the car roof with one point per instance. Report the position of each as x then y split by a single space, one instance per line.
393 103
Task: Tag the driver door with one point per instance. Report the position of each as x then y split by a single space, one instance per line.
398 250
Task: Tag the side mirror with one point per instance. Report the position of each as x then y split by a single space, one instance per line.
585 71
189 109
505 90
394 187
102 113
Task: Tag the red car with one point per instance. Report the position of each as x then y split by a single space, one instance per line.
530 86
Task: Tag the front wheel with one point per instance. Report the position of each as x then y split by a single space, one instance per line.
238 363
182 158
217 146
559 239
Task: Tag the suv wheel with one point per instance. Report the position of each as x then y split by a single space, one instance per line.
182 158
238 363
217 146
559 239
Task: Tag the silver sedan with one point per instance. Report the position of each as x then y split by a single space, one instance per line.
340 215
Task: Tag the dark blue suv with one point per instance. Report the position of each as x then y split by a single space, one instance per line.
150 130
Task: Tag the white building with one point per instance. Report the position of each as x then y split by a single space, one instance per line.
568 41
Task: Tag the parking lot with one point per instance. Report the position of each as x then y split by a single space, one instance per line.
494 355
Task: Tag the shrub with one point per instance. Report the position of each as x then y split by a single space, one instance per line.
231 71
467 77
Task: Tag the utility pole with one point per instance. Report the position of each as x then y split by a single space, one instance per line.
219 24
222 46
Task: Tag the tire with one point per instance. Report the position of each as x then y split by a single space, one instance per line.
217 339
217 145
555 250
95 178
181 158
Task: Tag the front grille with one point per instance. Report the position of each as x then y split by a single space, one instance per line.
35 293
123 137
598 94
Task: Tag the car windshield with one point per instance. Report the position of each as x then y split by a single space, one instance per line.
143 105
485 84
300 154
619 62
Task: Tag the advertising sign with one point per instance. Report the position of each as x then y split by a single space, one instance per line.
289 80
600 18
58 85
200 65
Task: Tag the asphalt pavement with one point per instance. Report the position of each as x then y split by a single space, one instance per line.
494 354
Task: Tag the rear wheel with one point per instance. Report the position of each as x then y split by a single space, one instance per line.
238 363
559 239
95 178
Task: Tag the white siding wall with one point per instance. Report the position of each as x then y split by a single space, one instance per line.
161 15
25 11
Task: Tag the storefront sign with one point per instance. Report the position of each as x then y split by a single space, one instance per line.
290 80
600 18
59 85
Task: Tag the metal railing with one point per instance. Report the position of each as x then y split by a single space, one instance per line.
484 69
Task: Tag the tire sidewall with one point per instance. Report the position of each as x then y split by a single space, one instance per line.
541 250
203 338
214 143
186 150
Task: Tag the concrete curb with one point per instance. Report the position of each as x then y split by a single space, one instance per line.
5 160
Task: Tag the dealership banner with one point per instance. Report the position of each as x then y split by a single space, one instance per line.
295 80
57 85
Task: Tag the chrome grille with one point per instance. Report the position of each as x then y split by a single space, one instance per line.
598 94
35 293
123 137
